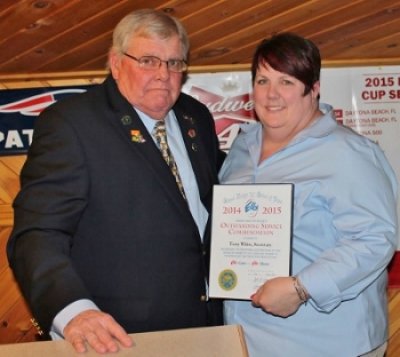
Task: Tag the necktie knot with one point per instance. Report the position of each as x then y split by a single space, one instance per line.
161 136
159 129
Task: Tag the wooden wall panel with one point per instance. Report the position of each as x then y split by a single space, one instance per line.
72 35
10 167
394 323
15 324
15 317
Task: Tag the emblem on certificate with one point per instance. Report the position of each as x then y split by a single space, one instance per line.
251 237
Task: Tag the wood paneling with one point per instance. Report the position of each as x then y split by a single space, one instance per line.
74 35
15 317
9 186
394 323
15 324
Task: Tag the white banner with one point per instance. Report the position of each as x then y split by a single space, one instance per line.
367 99
228 97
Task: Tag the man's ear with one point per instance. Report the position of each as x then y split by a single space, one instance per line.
114 63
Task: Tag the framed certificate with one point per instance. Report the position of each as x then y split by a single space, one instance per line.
251 237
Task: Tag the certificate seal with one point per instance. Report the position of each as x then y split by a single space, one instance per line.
227 279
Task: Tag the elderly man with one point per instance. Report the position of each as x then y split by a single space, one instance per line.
111 227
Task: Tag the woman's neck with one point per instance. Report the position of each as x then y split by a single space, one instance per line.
274 140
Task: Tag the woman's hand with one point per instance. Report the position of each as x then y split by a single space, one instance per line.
277 296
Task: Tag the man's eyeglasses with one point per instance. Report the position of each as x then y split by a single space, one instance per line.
153 62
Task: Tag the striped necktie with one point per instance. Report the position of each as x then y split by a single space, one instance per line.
160 134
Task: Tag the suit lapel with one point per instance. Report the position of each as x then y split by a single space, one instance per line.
195 148
147 155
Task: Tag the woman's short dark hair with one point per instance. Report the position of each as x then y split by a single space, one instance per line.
291 54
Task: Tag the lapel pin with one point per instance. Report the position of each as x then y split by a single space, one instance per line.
137 136
187 117
126 120
194 147
192 133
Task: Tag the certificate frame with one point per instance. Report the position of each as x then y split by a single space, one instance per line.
251 237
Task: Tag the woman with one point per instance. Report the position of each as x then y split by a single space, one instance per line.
344 220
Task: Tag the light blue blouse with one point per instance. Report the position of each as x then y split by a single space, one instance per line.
344 235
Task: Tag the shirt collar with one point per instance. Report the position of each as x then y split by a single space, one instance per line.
149 122
321 127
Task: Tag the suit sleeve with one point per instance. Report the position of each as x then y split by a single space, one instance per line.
54 188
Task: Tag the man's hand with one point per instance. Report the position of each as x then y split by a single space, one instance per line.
98 329
278 297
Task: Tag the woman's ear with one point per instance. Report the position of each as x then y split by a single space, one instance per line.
315 90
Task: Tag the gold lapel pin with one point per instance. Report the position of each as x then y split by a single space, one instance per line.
137 137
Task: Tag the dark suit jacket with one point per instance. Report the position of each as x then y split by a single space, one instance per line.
99 215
